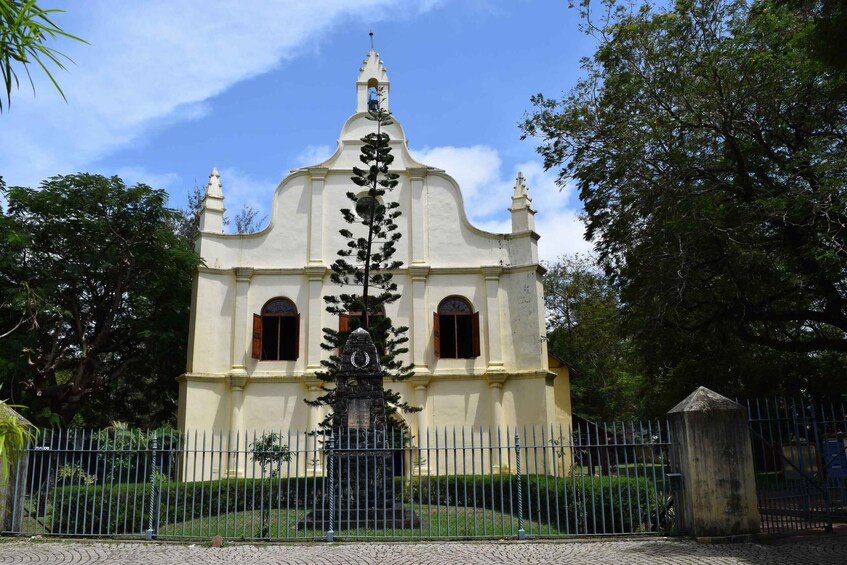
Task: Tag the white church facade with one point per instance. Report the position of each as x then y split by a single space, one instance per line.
472 300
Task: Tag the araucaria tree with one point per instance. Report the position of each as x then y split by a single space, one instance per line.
708 140
366 265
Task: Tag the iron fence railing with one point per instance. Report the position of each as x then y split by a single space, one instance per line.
596 479
800 460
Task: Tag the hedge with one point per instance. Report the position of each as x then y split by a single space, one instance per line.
577 505
123 508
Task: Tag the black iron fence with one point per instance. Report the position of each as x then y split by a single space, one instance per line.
458 483
800 458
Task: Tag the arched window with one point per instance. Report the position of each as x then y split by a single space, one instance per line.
276 332
456 328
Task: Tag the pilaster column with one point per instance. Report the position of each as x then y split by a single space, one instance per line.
420 383
316 216
419 462
495 385
315 275
420 337
240 321
316 414
417 230
492 315
236 393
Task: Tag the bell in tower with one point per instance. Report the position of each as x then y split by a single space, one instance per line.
373 96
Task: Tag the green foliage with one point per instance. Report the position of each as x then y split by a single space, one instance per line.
584 328
123 508
578 504
247 220
618 504
270 453
14 436
74 474
120 447
708 144
26 30
105 286
828 34
367 262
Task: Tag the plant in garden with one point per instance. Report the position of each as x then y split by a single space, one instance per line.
74 474
123 449
14 436
270 453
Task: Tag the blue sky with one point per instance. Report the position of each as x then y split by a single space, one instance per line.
169 89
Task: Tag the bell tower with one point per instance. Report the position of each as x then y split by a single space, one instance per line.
372 80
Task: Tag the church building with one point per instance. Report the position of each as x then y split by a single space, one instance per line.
473 300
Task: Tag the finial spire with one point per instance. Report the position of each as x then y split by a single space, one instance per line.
520 187
212 209
372 39
522 212
213 188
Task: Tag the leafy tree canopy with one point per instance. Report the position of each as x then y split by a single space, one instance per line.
104 284
585 328
709 144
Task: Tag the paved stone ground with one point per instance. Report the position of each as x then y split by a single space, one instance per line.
805 550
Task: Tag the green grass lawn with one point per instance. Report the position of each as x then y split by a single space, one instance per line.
436 521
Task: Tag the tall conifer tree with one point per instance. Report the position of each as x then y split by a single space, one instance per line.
366 264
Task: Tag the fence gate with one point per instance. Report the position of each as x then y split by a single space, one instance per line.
800 455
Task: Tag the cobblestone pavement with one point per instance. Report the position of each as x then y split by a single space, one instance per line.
807 550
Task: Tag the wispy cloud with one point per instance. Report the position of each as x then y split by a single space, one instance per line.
154 63
134 175
487 190
313 155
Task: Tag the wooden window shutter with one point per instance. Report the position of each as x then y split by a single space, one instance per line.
475 333
344 322
297 338
436 329
257 336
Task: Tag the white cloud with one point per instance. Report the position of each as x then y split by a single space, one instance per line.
155 62
477 170
487 190
313 155
134 175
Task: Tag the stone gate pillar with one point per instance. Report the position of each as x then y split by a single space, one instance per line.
711 448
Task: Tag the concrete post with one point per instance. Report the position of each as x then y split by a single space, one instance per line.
711 448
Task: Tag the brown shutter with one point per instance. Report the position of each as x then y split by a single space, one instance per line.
257 336
297 338
436 329
475 333
344 322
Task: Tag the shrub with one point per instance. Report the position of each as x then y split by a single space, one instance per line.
124 508
578 505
